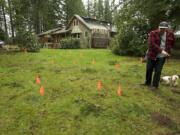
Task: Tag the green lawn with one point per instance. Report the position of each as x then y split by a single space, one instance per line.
71 104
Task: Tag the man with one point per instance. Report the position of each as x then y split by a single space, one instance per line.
160 42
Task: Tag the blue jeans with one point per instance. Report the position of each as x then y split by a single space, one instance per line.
157 66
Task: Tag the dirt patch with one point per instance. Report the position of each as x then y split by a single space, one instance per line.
33 128
88 70
43 113
161 119
88 108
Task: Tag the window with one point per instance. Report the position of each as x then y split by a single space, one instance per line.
75 22
86 33
78 35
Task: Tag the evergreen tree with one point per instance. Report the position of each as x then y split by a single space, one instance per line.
90 8
3 21
95 9
100 10
10 11
72 7
107 12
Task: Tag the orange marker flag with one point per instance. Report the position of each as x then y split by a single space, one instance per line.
99 86
119 91
38 81
117 66
42 90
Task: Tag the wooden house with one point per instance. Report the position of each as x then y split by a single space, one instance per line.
47 38
91 32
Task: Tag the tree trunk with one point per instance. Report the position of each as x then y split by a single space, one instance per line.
11 20
37 17
5 23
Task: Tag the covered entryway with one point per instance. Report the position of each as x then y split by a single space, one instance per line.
98 42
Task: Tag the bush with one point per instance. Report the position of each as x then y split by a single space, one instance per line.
70 43
27 40
177 43
131 40
2 35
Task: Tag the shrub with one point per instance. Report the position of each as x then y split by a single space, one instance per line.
27 40
70 43
2 35
177 44
131 40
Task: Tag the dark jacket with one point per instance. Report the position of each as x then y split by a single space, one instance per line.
154 42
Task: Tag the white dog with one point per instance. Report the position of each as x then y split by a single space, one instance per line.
170 80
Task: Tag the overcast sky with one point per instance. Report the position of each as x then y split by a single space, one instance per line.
85 1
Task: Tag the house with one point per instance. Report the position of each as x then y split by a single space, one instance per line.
92 33
46 37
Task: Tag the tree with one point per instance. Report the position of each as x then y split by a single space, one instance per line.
3 18
11 18
58 12
72 7
132 27
95 9
2 34
107 11
136 18
156 11
100 10
174 12
90 9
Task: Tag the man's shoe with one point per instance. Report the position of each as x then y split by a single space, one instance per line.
153 88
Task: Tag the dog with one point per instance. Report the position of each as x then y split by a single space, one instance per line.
170 80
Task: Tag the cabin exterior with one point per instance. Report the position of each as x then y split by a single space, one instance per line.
92 33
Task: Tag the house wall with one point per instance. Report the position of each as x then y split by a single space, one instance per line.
96 38
85 36
100 38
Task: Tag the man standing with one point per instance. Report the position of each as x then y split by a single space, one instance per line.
160 42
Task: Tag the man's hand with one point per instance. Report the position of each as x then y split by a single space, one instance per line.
165 53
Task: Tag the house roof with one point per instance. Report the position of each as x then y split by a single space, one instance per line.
88 22
92 23
60 31
49 32
80 19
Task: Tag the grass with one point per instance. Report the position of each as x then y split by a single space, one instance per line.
71 104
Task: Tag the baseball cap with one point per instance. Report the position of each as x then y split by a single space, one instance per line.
163 25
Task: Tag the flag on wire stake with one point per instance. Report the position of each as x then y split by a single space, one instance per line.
119 91
42 90
99 86
38 81
117 66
